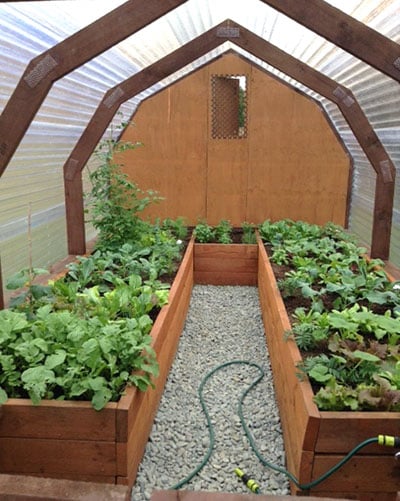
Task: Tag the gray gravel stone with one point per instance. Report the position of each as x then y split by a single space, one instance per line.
223 324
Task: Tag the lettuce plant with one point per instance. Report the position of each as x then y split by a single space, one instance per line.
86 335
349 332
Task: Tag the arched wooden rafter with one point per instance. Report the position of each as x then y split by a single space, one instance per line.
344 31
267 52
42 71
66 56
358 122
317 15
103 115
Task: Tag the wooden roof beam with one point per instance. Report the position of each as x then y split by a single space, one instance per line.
267 52
342 96
63 58
344 31
103 115
325 86
355 117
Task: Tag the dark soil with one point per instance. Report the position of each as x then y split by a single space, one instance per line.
236 235
293 302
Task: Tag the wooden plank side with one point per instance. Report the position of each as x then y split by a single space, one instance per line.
224 278
130 452
100 479
341 431
362 473
228 264
136 410
221 264
183 277
225 251
60 457
32 488
57 420
299 418
225 257
361 496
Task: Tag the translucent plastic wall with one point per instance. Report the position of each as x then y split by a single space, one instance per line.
33 184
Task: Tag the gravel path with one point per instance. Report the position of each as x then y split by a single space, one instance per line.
223 324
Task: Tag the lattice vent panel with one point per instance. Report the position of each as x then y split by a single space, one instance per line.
229 106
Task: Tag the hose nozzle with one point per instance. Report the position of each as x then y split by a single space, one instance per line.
248 482
389 441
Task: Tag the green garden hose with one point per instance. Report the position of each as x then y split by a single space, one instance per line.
381 439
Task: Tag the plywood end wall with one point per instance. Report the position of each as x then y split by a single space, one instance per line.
290 165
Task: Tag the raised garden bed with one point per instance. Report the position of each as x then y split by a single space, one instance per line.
67 439
71 440
317 440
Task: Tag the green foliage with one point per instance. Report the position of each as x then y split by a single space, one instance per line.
310 329
115 202
30 295
249 233
86 335
223 232
177 227
63 356
355 361
204 233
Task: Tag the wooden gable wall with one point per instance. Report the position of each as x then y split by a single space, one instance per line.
290 165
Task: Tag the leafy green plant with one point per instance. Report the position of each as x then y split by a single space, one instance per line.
223 232
204 233
115 202
84 344
60 355
310 329
30 295
350 347
249 233
86 336
177 227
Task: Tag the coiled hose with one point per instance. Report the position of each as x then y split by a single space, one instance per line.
381 439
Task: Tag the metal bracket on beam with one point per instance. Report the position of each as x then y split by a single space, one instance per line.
115 95
228 32
386 171
341 94
71 169
40 71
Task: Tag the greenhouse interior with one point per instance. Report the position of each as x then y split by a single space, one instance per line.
200 249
